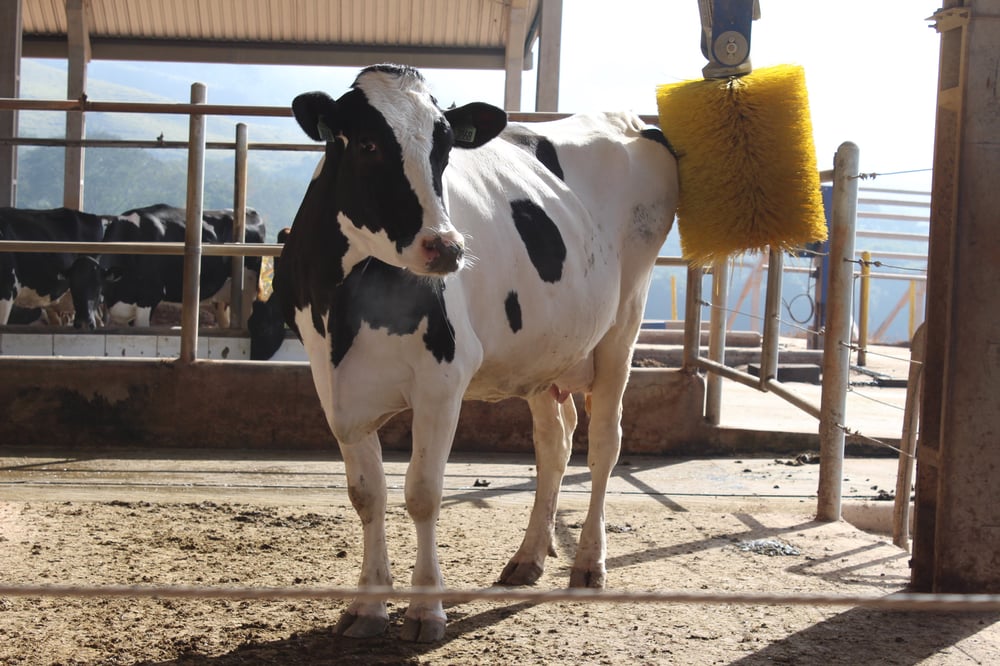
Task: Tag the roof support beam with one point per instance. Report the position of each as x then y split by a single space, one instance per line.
78 52
10 86
550 38
517 33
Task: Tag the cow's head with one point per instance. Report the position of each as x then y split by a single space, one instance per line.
391 143
86 279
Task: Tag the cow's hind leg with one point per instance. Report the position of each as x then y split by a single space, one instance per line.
612 360
366 488
553 425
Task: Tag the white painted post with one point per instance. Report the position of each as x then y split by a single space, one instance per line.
836 352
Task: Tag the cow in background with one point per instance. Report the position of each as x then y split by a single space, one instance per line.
437 257
136 284
267 323
40 279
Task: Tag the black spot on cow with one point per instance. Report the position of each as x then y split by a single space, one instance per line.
541 237
394 299
654 134
543 149
513 309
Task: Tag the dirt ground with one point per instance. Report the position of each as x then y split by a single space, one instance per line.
653 544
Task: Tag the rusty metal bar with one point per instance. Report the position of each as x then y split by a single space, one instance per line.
192 232
863 307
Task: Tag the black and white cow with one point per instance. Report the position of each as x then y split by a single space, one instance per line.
266 323
432 261
136 284
39 279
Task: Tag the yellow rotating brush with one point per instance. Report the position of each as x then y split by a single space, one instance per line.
746 163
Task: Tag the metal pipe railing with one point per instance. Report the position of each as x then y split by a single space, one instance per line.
236 313
190 306
772 319
78 247
836 351
717 341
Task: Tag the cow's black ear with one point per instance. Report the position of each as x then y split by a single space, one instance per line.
316 113
475 124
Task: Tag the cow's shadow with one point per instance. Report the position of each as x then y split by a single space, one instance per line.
320 647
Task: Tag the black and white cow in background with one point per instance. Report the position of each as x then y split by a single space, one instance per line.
39 279
417 275
266 323
136 284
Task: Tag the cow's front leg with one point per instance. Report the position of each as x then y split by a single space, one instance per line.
553 425
366 488
433 432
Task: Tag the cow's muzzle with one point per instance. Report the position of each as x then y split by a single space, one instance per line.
442 255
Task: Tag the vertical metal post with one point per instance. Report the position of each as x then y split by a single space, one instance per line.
863 296
673 297
236 314
692 319
908 442
11 27
772 317
836 350
717 340
517 30
78 55
549 50
192 235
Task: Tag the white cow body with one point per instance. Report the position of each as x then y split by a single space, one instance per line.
520 318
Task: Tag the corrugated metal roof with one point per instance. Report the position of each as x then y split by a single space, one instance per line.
421 32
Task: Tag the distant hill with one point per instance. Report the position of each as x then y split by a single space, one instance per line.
117 179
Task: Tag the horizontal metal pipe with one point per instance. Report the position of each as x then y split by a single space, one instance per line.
213 250
9 103
671 261
775 387
170 145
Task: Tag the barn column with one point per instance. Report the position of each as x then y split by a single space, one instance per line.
517 33
78 55
956 545
549 50
10 86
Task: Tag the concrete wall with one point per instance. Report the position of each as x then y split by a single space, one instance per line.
248 405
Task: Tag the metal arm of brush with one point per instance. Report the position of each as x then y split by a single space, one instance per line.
725 36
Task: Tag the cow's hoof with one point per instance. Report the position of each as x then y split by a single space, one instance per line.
428 630
587 578
353 625
520 573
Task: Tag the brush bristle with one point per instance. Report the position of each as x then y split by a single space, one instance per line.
746 163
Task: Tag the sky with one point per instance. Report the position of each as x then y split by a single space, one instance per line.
870 66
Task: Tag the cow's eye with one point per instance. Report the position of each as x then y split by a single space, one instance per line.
367 146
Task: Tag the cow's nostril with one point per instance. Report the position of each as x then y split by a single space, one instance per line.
442 256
